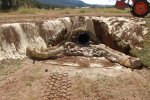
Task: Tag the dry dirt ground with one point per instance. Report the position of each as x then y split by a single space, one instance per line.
72 78
4 18
75 78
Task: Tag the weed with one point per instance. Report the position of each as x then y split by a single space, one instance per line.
9 66
67 12
24 10
82 11
144 54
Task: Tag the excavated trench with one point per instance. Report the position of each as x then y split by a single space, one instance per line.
90 37
119 33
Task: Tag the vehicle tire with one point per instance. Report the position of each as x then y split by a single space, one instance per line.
140 8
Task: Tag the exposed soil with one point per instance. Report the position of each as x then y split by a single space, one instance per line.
38 17
72 78
63 79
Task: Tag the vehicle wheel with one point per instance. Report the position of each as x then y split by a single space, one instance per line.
140 8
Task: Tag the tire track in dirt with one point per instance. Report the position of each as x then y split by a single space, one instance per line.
58 87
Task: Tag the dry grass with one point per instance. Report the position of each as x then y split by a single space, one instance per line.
9 66
66 11
105 87
145 53
83 64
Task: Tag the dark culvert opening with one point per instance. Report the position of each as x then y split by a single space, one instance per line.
83 38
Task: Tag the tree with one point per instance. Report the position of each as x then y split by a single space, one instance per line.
7 4
14 4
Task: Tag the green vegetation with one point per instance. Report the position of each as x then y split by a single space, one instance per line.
9 66
23 10
14 4
8 5
34 10
33 7
144 54
82 11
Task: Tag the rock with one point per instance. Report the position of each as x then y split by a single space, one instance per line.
110 54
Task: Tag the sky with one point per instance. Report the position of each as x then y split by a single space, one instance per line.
108 2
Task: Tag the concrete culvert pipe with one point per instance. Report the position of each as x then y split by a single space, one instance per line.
83 38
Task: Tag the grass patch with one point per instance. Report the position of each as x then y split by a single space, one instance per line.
82 11
9 66
30 11
145 53
23 10
26 11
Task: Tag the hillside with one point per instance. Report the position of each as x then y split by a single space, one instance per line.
78 3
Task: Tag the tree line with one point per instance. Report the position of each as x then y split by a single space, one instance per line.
15 4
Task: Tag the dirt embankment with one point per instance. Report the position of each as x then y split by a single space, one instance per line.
118 33
71 78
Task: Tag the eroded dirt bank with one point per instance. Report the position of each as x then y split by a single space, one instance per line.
118 33
73 78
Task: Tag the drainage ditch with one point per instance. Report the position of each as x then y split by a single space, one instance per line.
117 33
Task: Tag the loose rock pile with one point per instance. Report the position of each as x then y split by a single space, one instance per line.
72 49
87 51
102 50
